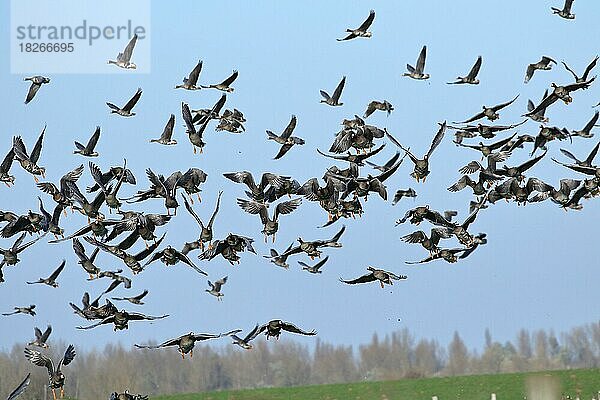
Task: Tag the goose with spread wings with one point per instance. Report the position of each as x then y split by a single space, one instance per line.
588 69
257 192
171 256
166 137
121 319
560 92
215 288
270 225
28 310
131 260
383 276
311 248
274 328
429 243
125 111
133 299
5 166
224 86
286 140
51 280
471 77
88 149
586 132
565 12
334 100
545 64
244 342
582 166
185 343
10 255
56 378
124 59
540 116
41 338
229 248
490 113
36 83
421 169
29 161
314 269
417 72
206 231
191 81
362 30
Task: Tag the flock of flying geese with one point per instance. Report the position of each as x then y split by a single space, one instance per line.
340 197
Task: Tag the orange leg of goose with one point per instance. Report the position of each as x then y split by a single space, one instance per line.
199 198
53 394
191 353
182 356
62 392
194 147
381 283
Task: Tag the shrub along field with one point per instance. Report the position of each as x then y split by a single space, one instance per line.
582 382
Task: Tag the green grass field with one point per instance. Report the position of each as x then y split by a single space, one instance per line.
584 382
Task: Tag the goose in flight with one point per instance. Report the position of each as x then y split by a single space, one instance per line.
490 113
361 31
376 275
215 288
417 72
244 343
29 161
121 319
224 86
314 269
334 100
185 343
560 92
566 10
587 129
134 299
471 77
51 280
36 83
41 338
544 64
5 165
167 134
22 310
56 378
421 169
88 149
270 226
124 58
190 82
588 69
126 110
286 139
378 105
540 116
274 328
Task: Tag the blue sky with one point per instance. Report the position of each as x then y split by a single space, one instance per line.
537 271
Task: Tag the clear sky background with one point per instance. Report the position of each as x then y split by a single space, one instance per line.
539 270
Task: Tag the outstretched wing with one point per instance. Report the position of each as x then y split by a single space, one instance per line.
126 55
91 144
231 78
68 357
57 271
475 69
502 105
365 25
590 66
362 279
33 89
19 389
287 207
437 139
421 60
187 118
168 131
140 317
193 78
37 149
131 103
286 326
338 90
289 129
39 359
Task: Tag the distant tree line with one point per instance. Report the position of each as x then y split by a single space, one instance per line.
95 374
